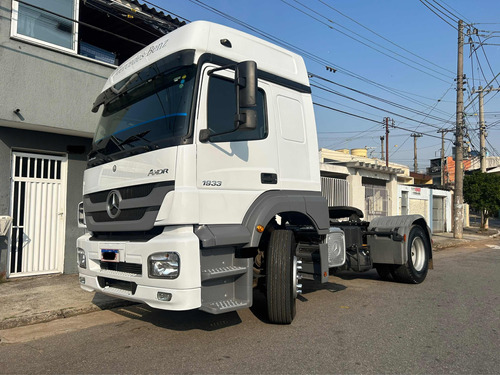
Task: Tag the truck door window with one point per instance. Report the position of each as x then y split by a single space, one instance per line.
221 110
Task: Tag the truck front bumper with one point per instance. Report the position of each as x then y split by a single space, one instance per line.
128 277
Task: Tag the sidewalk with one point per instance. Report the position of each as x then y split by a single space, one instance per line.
32 300
444 240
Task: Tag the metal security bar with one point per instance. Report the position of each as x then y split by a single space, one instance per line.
336 191
375 201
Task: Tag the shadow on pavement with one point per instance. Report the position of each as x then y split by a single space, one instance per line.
180 320
200 320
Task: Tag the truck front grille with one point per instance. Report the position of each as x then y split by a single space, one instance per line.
135 209
125 215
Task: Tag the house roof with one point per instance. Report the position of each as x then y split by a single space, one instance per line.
420 176
175 21
373 166
139 9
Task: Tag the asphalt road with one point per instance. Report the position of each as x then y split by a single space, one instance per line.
448 324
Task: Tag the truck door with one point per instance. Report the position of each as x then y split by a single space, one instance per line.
235 168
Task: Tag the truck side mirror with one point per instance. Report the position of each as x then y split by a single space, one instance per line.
245 81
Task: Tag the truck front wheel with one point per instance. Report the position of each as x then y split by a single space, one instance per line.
281 277
415 269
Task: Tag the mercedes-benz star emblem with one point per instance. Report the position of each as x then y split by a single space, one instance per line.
113 204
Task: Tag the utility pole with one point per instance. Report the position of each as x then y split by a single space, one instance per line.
415 163
482 135
382 147
482 125
386 141
482 140
458 197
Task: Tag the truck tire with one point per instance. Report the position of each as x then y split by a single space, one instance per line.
281 277
417 265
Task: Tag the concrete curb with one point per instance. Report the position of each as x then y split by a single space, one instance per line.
457 242
451 243
495 235
48 316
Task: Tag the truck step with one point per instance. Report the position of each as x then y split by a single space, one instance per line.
220 307
220 272
226 281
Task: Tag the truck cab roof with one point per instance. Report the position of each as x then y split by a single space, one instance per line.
209 38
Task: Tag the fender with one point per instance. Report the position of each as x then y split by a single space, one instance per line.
309 203
388 249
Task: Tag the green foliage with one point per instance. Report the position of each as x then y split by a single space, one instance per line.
482 192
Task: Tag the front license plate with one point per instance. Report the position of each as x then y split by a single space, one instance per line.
110 255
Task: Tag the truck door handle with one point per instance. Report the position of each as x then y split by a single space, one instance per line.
269 178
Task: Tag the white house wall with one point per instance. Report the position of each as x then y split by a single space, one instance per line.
420 202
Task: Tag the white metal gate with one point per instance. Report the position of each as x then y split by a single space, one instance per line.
38 210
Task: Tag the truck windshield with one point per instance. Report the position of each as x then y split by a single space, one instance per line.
152 112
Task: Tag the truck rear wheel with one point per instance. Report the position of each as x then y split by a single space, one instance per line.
281 277
417 265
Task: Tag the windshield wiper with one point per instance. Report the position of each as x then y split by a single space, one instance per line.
135 137
97 157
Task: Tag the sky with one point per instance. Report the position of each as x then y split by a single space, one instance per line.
390 58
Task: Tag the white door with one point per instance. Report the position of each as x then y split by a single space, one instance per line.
438 214
233 169
38 210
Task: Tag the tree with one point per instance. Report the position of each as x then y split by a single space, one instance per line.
482 193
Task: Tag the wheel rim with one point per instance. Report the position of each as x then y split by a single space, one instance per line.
418 254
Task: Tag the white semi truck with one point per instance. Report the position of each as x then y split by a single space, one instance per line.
203 182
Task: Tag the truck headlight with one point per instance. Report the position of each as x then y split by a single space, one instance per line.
166 265
81 258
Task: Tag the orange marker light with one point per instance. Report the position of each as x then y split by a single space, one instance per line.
259 228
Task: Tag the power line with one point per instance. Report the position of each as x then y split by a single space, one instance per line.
343 105
347 113
408 138
81 23
109 14
306 53
384 38
453 17
489 65
372 106
461 15
372 120
386 101
429 6
361 42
